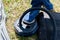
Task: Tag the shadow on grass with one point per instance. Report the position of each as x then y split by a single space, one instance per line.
33 37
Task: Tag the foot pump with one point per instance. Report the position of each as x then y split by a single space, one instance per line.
48 27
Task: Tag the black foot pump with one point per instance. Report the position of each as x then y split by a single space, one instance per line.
48 27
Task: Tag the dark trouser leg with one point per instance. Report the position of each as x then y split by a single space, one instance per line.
33 14
47 4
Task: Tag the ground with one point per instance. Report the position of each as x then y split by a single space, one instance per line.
14 9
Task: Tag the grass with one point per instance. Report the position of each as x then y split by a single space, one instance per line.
14 9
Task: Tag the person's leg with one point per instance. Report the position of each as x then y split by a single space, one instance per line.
52 10
31 16
49 1
34 13
47 4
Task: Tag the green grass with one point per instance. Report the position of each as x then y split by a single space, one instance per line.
14 9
